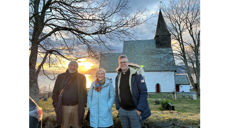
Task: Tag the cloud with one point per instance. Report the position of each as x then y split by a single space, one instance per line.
151 9
143 4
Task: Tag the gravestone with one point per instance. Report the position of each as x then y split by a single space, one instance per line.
168 97
157 102
183 96
170 106
174 96
194 96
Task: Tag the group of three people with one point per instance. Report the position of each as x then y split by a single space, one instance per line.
130 95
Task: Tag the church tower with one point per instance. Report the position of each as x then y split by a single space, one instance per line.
162 36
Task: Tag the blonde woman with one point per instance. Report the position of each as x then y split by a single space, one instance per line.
100 101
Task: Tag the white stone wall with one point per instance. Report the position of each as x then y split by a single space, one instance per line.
165 79
112 75
185 88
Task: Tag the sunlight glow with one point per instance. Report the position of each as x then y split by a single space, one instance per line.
89 80
85 65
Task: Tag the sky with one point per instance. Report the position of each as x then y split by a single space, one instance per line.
142 32
148 28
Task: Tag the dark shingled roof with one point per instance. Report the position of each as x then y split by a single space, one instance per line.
182 79
161 26
109 61
141 52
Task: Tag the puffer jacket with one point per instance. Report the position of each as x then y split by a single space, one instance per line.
100 105
138 90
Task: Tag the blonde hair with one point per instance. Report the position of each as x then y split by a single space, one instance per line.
99 70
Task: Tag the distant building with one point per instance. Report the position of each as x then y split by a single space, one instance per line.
181 69
182 83
155 55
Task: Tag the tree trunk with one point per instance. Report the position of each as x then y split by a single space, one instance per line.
198 72
186 61
34 90
188 71
33 84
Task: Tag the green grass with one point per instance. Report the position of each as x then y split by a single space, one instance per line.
191 106
47 107
186 114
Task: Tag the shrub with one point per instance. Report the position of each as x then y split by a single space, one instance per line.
157 102
164 104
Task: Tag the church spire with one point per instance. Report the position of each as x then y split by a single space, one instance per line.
161 26
162 35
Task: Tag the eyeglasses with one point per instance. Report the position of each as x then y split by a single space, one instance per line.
124 62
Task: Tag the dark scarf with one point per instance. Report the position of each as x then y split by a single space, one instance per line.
99 84
70 77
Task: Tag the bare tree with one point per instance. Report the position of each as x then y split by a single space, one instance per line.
60 27
184 24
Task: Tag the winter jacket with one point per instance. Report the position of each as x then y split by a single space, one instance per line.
100 104
61 81
138 90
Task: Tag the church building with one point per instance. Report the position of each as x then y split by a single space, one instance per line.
155 56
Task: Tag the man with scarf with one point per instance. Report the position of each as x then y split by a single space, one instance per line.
70 97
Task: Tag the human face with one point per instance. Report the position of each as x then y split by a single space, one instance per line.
100 75
72 68
123 64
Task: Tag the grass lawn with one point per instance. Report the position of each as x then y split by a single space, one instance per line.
186 114
181 105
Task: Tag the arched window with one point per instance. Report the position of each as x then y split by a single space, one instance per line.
158 88
177 88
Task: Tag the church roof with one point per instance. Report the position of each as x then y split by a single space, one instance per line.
161 26
109 61
141 52
182 79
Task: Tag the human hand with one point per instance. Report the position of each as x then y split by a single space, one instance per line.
138 112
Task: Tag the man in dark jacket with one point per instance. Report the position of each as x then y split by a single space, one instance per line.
70 97
131 94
